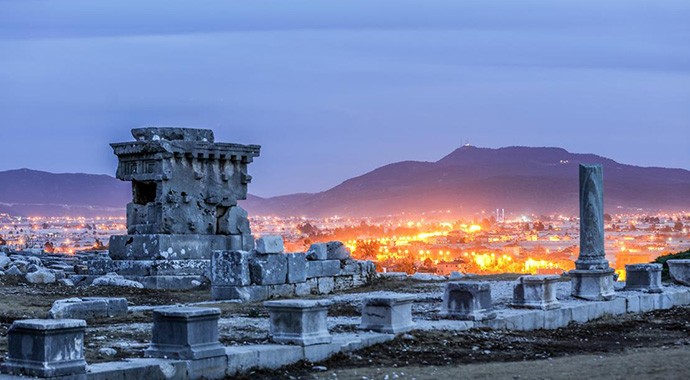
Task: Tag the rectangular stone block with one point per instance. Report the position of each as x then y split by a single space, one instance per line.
387 313
166 247
557 318
330 268
297 267
468 301
268 269
252 293
300 322
317 251
326 285
241 359
281 291
337 251
189 333
155 369
320 352
270 244
46 348
536 292
350 268
274 356
230 268
302 289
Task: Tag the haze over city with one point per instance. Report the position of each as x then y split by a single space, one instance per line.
332 90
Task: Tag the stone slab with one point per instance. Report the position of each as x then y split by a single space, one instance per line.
166 247
230 268
268 269
296 267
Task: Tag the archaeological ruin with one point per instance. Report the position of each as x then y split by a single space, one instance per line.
185 230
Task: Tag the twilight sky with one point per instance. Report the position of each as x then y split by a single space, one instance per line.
334 88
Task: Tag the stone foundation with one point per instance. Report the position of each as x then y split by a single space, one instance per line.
468 301
644 277
592 284
536 292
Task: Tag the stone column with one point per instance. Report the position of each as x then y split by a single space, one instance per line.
592 278
592 255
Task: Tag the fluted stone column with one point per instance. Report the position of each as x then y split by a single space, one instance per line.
592 278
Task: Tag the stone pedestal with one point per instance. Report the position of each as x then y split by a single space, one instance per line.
46 348
390 313
592 285
187 333
468 301
643 277
679 271
536 292
300 322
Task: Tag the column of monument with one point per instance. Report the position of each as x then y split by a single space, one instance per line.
592 278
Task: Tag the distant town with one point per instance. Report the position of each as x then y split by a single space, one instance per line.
486 244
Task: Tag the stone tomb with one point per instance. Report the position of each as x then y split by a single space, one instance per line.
644 277
185 189
301 322
388 313
46 348
536 292
468 301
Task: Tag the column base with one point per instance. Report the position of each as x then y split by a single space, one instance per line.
592 285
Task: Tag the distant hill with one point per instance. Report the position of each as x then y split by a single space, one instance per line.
471 179
468 180
29 192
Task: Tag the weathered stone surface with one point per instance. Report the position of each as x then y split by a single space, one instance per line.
454 276
643 277
678 269
317 251
468 301
13 271
87 308
230 268
281 291
4 261
326 285
323 268
592 278
297 267
593 285
185 333
387 313
592 254
268 269
234 222
172 134
427 277
270 244
41 276
536 292
252 293
113 279
300 322
167 247
46 348
337 251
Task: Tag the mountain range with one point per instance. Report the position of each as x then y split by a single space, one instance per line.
468 180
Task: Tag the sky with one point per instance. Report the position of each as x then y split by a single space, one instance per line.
332 89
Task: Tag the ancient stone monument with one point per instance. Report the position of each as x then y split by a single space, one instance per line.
536 292
592 278
185 189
